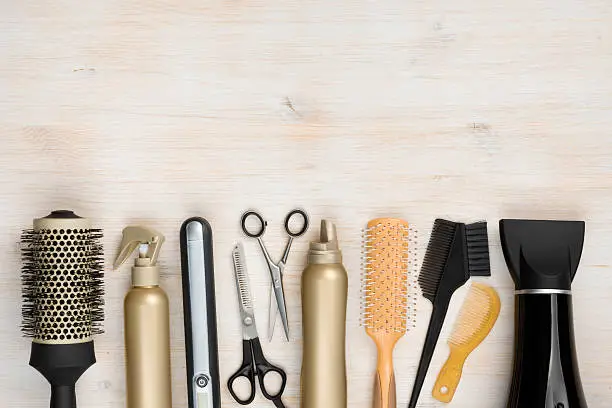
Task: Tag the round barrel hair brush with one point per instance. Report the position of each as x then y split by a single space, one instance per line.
62 299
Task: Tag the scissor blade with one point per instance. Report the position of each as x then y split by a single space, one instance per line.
272 313
281 305
242 280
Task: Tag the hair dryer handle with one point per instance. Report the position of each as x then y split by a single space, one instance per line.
63 396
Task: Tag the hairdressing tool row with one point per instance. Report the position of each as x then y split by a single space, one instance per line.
147 319
254 364
63 308
455 252
324 298
542 256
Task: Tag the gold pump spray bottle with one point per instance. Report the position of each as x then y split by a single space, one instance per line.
147 323
324 296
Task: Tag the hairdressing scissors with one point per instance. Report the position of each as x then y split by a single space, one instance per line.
253 361
276 269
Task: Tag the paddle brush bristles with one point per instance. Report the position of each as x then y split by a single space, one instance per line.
388 306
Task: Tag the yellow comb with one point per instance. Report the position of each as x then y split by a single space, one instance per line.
386 300
476 319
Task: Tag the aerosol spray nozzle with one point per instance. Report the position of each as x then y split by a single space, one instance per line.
326 249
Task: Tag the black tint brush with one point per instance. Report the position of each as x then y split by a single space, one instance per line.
455 252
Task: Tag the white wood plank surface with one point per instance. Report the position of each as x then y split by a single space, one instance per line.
153 111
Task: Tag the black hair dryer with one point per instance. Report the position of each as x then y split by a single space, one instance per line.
543 257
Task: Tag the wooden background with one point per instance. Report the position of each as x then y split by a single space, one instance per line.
153 111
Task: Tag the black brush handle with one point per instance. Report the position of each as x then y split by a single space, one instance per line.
433 333
62 365
63 396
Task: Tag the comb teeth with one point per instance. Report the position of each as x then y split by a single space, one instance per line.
478 249
477 315
389 251
242 277
439 247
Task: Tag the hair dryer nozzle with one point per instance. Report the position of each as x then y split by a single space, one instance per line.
542 254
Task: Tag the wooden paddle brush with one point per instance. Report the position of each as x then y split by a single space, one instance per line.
476 319
386 298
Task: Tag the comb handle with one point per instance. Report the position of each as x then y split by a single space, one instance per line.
450 375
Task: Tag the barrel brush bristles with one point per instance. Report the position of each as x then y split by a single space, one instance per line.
63 299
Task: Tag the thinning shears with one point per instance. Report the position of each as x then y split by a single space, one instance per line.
254 364
277 293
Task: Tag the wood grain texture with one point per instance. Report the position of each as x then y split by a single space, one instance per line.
153 111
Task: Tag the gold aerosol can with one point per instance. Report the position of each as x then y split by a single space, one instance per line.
324 296
147 323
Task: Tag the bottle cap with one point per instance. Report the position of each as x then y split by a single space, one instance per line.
326 249
145 271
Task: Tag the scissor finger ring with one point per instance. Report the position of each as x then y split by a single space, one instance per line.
302 230
262 224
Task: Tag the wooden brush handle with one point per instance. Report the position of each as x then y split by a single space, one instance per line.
449 377
384 383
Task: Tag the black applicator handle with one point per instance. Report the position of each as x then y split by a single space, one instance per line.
63 396
431 339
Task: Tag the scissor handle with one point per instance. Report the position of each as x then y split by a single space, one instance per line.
264 368
278 403
262 222
246 370
304 228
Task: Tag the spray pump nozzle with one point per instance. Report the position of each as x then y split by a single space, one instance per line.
149 242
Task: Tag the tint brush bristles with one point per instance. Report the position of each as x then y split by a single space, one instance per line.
478 249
